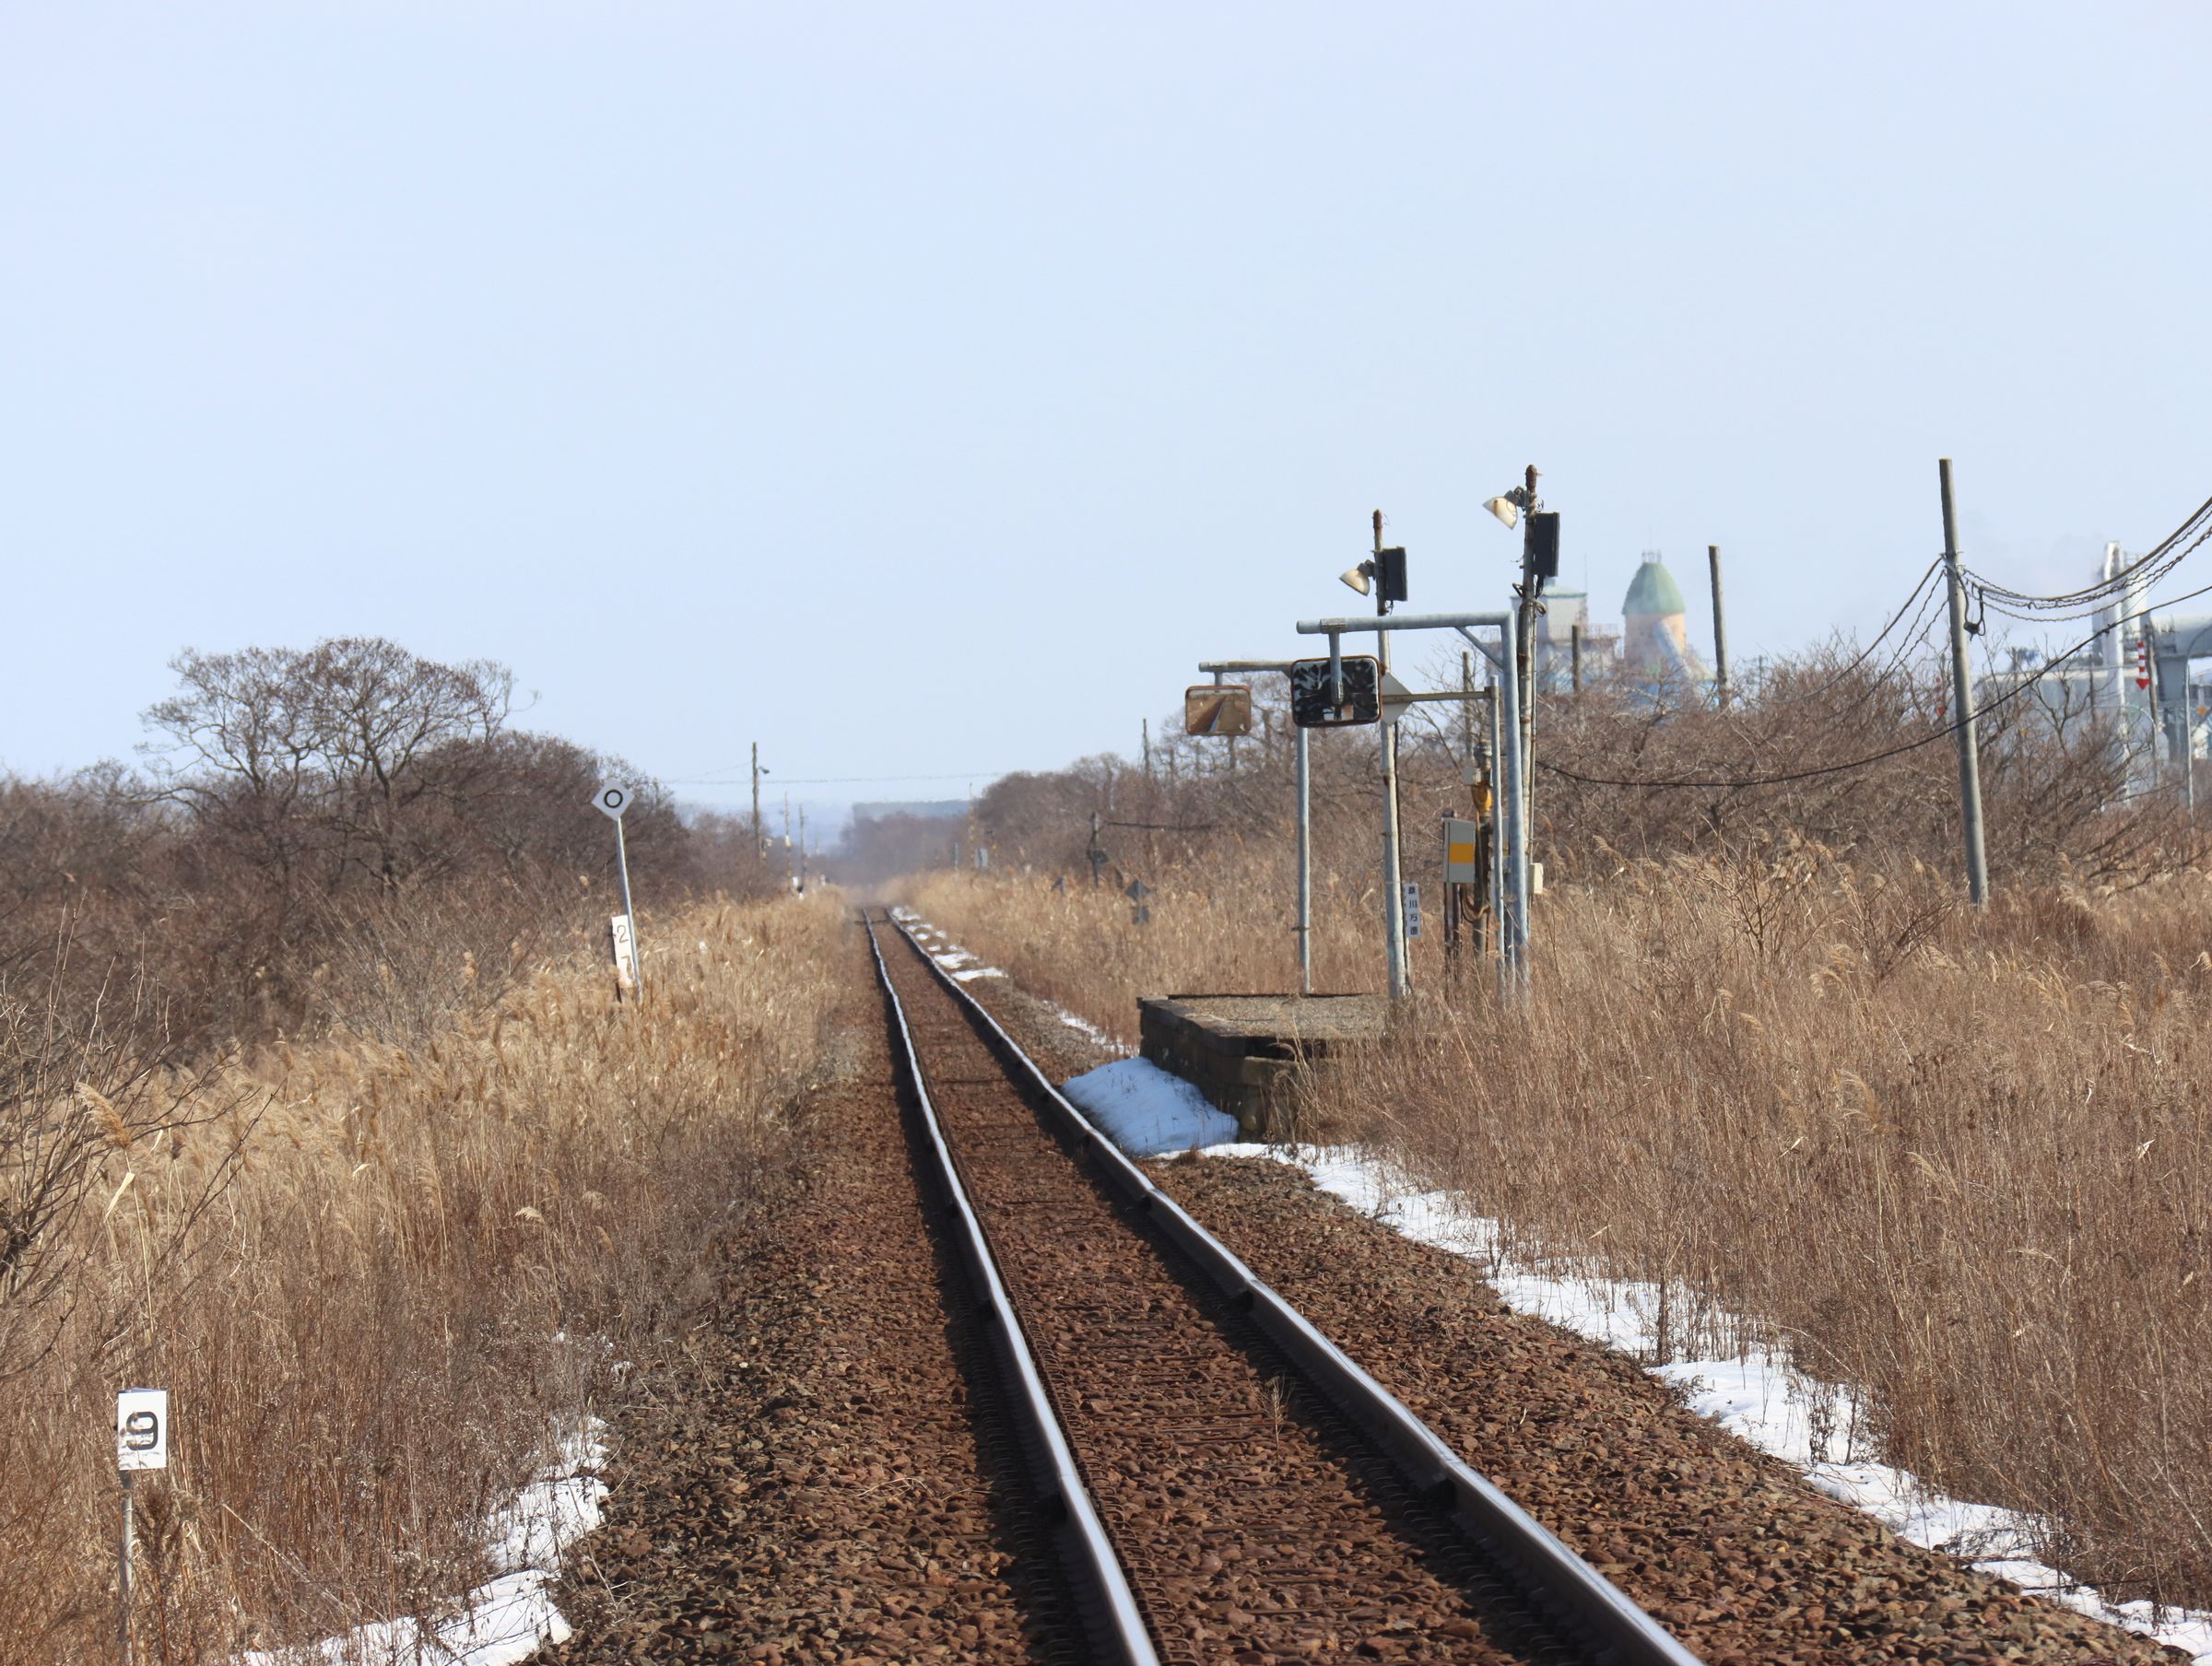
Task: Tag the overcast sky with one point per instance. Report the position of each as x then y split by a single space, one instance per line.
921 390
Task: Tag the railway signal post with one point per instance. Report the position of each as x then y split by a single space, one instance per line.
1312 705
1305 814
614 804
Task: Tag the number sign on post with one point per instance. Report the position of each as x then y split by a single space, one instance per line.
141 1443
613 800
142 1429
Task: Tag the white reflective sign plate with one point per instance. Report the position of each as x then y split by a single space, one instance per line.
142 1429
626 948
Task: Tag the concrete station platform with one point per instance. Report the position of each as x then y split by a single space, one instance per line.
1247 1053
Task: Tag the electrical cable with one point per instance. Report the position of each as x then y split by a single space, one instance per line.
1915 636
1872 757
841 780
2138 574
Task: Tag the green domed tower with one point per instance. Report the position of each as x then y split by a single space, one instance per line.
1652 592
1655 638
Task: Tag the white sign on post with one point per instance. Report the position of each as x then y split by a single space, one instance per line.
626 952
1394 699
142 1429
612 800
1413 908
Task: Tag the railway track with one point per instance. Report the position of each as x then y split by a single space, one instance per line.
1224 1485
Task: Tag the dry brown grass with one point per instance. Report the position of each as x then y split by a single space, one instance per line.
1082 948
379 1281
1964 1164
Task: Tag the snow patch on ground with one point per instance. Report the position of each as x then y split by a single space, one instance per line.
1756 1395
953 958
1088 1030
1146 1110
506 1619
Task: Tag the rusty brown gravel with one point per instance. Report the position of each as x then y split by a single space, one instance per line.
807 1485
1742 1560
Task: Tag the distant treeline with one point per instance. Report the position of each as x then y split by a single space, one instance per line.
1826 750
339 833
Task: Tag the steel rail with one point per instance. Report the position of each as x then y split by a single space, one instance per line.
1583 1599
1120 1635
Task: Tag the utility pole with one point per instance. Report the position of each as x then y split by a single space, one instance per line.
1574 658
1962 700
1719 631
1393 893
759 850
802 869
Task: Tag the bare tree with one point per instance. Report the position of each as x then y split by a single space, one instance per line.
320 755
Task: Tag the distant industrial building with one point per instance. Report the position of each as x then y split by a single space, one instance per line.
943 809
2131 685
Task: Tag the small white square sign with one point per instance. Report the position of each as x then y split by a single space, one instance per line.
142 1429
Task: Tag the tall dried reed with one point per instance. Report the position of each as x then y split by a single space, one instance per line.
1961 1163
1085 949
380 1281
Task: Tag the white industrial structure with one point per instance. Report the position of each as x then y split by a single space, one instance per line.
2132 684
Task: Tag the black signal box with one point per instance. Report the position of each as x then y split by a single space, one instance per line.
1390 574
1309 705
1543 544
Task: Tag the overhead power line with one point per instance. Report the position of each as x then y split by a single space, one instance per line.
845 780
1871 758
1867 652
2146 571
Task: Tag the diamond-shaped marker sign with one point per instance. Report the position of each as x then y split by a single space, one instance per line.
1393 697
612 800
